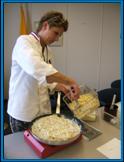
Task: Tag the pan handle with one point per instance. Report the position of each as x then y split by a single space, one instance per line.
58 103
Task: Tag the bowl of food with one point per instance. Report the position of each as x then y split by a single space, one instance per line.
85 106
56 130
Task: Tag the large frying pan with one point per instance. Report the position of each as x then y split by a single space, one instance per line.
74 119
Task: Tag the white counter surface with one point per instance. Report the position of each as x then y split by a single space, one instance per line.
15 146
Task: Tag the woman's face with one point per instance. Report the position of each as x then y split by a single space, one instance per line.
51 34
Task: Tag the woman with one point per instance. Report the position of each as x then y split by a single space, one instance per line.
32 74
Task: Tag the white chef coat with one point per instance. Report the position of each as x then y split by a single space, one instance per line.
28 89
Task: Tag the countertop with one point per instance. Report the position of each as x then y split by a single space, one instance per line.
15 146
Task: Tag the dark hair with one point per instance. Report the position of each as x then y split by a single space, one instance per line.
53 18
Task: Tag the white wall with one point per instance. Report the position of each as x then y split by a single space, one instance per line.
11 32
91 47
110 47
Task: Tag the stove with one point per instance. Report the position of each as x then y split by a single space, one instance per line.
45 150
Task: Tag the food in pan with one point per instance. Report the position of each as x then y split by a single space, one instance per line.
54 128
87 104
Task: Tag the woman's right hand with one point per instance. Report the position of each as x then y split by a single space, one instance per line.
74 92
62 87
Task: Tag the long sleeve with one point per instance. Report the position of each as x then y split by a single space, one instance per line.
52 87
28 56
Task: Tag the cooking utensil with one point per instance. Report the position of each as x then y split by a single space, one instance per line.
58 104
113 102
44 150
87 103
74 119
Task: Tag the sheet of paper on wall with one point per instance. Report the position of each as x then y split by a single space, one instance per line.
111 149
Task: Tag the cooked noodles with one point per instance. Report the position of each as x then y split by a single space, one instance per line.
53 128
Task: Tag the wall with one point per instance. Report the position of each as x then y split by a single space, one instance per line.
91 47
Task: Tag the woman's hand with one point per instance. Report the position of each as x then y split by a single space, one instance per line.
65 84
71 91
62 87
74 91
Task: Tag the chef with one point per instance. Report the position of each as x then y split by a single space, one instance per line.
32 74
